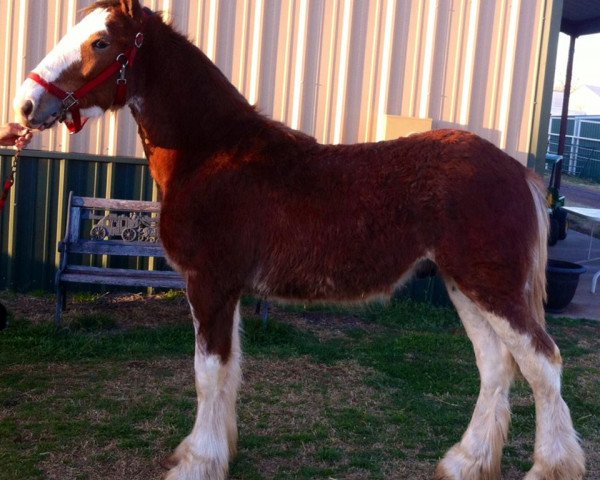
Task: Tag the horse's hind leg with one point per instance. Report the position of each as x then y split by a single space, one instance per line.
558 454
205 453
478 455
518 324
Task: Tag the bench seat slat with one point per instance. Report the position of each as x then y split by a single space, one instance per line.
113 204
116 247
122 276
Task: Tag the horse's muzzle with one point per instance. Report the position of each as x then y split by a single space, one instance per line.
38 113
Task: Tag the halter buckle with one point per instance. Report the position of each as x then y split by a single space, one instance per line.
139 40
70 101
121 79
123 60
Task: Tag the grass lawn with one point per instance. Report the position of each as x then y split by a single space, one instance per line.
378 392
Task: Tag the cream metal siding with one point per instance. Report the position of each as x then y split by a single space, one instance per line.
333 68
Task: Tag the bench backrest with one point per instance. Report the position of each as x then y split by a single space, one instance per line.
123 227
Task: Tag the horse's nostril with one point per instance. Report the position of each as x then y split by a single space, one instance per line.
27 108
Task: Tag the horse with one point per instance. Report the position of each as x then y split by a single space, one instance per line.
250 205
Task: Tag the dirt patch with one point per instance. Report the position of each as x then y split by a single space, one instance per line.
128 309
325 325
306 396
123 385
78 465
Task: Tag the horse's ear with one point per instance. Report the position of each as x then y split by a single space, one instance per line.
131 8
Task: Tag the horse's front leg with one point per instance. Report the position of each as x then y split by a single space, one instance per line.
205 453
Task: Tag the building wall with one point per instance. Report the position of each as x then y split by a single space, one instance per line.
332 68
585 99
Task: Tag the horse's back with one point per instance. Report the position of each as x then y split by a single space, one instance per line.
354 219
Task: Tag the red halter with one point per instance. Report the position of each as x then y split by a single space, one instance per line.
70 100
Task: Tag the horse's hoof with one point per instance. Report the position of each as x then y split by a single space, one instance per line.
563 460
560 472
441 473
169 462
460 464
198 470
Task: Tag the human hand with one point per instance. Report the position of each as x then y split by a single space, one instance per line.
14 134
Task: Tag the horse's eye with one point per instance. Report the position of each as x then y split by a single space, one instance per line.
100 44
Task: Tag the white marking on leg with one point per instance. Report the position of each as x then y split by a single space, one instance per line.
206 451
558 454
478 454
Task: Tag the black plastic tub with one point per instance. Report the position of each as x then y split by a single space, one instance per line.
562 278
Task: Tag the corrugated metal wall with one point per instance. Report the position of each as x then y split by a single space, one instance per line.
332 68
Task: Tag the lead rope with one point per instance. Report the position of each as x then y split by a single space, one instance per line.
10 181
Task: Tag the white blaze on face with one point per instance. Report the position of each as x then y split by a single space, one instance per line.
68 50
64 54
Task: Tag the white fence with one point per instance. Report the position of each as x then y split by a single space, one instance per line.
582 145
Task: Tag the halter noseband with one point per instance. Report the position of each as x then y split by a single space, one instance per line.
70 100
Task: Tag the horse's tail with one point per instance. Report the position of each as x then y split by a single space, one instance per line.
539 250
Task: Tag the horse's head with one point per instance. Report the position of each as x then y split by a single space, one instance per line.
85 74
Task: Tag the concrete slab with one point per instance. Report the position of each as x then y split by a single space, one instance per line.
584 250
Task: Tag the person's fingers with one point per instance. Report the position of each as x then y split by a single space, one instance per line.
24 135
17 129
6 138
21 142
14 134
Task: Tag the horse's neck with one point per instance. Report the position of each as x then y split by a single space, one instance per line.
185 107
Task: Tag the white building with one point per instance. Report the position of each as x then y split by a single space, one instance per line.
584 100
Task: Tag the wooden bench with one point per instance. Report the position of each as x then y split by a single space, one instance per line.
106 227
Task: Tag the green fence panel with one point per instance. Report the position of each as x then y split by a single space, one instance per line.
34 218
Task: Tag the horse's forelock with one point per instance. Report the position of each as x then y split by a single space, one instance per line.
134 9
117 21
104 4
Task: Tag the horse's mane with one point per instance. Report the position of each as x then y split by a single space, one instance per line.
229 98
101 4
